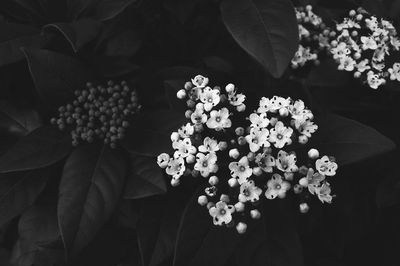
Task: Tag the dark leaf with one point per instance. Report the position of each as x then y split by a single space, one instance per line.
266 29
18 121
181 9
171 88
13 37
18 191
218 64
56 76
145 178
77 33
149 134
25 253
113 66
349 141
90 187
124 43
42 147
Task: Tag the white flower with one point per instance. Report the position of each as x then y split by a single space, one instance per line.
209 145
257 138
198 116
306 128
280 135
299 111
183 148
176 167
273 104
210 98
219 119
324 193
326 166
249 192
265 105
363 65
395 42
346 63
206 164
312 180
372 23
241 170
374 80
368 43
277 187
395 72
340 51
265 161
259 121
200 81
286 162
163 159
236 99
186 131
221 213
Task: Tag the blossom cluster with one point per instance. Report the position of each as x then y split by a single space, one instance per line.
245 158
314 37
365 45
100 112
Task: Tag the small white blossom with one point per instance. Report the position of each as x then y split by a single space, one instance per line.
176 167
257 138
210 98
209 145
206 164
249 192
183 148
324 193
200 81
259 121
241 170
266 162
219 119
280 135
163 159
286 162
277 187
395 72
221 213
186 131
326 166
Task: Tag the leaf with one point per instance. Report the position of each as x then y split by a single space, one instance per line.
77 33
171 88
266 29
18 191
218 64
145 178
90 187
18 121
25 253
56 76
13 37
349 141
124 43
199 242
149 134
181 9
113 66
40 148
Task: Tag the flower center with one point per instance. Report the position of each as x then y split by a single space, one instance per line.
222 211
218 119
278 186
242 168
246 192
205 164
323 168
279 136
210 100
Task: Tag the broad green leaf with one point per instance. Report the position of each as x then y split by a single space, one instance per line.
90 187
266 29
13 37
77 33
18 191
145 178
40 148
18 121
149 134
56 76
349 141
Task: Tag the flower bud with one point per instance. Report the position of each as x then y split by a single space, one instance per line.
303 139
241 228
239 207
213 180
303 182
190 103
175 182
352 13
188 85
304 208
257 171
239 131
202 200
241 108
303 169
234 153
188 114
284 112
255 214
210 205
251 156
174 136
242 141
297 189
359 17
230 88
357 74
289 176
181 94
190 158
198 128
313 154
273 121
222 145
233 182
224 198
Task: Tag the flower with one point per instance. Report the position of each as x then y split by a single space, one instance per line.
368 43
277 187
299 111
241 170
259 121
163 159
265 161
249 192
347 63
199 81
257 139
219 119
183 148
221 213
176 167
374 80
395 72
312 180
209 145
324 193
210 98
306 128
236 99
206 164
280 135
198 116
286 162
325 166
186 131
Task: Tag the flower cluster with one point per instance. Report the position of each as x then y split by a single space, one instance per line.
314 37
365 45
98 112
245 158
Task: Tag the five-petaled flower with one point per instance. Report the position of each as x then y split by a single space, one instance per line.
200 81
326 166
176 167
257 138
219 119
209 145
277 187
210 98
221 213
206 164
280 135
286 162
249 192
241 170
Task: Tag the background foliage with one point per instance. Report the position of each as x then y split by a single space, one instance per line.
93 205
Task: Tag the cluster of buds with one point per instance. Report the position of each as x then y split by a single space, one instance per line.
249 161
314 37
98 112
365 45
